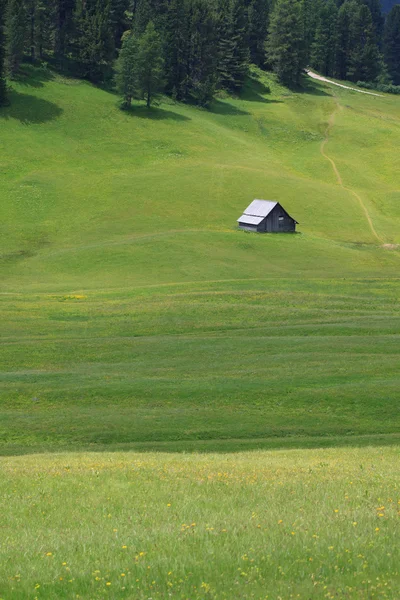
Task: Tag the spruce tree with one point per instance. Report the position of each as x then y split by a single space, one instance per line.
15 32
311 11
176 49
323 53
233 52
118 19
63 29
203 53
39 12
142 16
258 18
378 21
3 87
94 42
285 46
346 18
364 56
150 65
391 44
126 69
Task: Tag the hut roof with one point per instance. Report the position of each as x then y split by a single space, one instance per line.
260 208
250 220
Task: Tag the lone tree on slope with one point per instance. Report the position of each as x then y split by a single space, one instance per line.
150 65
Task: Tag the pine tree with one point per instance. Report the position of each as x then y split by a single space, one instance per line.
38 13
143 15
150 64
63 29
15 32
258 18
285 46
118 19
364 56
203 53
378 21
94 46
233 52
126 69
176 48
3 87
391 43
346 17
311 11
323 54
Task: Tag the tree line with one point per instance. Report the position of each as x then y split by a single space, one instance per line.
191 49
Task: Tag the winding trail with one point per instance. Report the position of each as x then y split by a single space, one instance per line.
338 176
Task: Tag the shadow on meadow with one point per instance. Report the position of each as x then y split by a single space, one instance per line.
155 114
311 86
211 446
35 77
218 107
254 90
30 110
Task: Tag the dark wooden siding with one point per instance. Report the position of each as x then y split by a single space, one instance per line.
279 221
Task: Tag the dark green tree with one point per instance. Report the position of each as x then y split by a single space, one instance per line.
258 19
150 65
202 53
311 11
323 54
346 18
391 44
41 24
378 21
233 51
364 56
358 55
176 49
94 42
15 35
63 26
285 45
126 78
3 87
118 19
142 16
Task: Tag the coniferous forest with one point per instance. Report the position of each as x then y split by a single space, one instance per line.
191 49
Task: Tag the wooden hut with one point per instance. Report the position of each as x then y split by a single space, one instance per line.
264 216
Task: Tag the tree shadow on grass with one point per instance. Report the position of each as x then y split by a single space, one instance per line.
219 107
30 110
254 90
311 86
155 114
33 76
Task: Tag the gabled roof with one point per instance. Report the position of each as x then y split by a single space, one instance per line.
250 220
260 208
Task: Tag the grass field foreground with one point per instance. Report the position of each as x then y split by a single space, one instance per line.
265 525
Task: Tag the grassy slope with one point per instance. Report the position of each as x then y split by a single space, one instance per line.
134 313
295 524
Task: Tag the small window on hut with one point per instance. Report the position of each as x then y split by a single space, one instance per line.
281 218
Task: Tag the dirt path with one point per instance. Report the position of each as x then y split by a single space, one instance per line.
339 179
346 87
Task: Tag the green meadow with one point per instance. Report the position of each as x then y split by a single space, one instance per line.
265 525
153 354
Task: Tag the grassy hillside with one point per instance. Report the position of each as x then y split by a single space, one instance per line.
136 315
